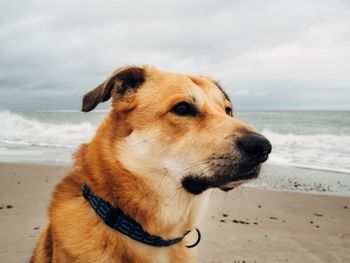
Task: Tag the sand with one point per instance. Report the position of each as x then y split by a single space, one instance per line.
245 225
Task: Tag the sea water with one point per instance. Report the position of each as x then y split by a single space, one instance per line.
316 140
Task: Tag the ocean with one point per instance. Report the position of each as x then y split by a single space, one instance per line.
311 149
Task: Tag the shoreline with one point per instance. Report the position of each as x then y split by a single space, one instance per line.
244 225
286 173
303 167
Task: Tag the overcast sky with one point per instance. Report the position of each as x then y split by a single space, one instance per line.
267 54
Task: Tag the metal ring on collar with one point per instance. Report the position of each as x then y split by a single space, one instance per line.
198 239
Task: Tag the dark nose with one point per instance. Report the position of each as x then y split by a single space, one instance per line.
256 146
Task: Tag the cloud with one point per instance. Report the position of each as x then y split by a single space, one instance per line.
53 52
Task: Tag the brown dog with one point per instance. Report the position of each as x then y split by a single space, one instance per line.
166 141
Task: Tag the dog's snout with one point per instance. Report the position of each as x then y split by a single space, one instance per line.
256 146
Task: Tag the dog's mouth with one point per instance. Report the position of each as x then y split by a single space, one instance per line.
243 178
224 180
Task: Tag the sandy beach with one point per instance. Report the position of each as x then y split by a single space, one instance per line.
245 225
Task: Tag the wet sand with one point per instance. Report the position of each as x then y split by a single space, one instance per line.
244 225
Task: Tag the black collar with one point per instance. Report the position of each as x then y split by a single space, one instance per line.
116 219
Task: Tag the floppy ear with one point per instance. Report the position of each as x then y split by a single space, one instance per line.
121 81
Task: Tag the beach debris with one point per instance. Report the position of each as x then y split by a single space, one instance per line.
259 206
273 218
36 228
255 223
9 206
224 215
317 226
311 222
296 184
0 207
222 220
316 214
345 207
240 222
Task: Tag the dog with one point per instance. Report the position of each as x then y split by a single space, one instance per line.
139 187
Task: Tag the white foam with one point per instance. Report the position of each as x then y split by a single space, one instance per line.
320 151
17 130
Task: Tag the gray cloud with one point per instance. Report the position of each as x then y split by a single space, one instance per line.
268 54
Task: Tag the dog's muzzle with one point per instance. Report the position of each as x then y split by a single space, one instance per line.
254 149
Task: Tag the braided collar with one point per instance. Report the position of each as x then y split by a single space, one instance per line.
116 219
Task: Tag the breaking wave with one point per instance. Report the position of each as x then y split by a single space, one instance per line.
18 130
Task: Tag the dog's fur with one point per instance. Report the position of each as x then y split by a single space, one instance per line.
144 159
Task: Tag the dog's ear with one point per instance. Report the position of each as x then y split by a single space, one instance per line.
121 81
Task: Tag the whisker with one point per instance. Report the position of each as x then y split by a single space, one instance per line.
161 181
209 162
173 197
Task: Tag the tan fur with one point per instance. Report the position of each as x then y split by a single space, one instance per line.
135 162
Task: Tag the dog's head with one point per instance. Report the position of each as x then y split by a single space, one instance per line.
178 126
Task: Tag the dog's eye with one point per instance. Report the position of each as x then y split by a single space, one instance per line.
228 111
184 109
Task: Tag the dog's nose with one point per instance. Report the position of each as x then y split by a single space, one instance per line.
256 146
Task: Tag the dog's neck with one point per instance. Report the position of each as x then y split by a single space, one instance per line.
177 210
161 206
